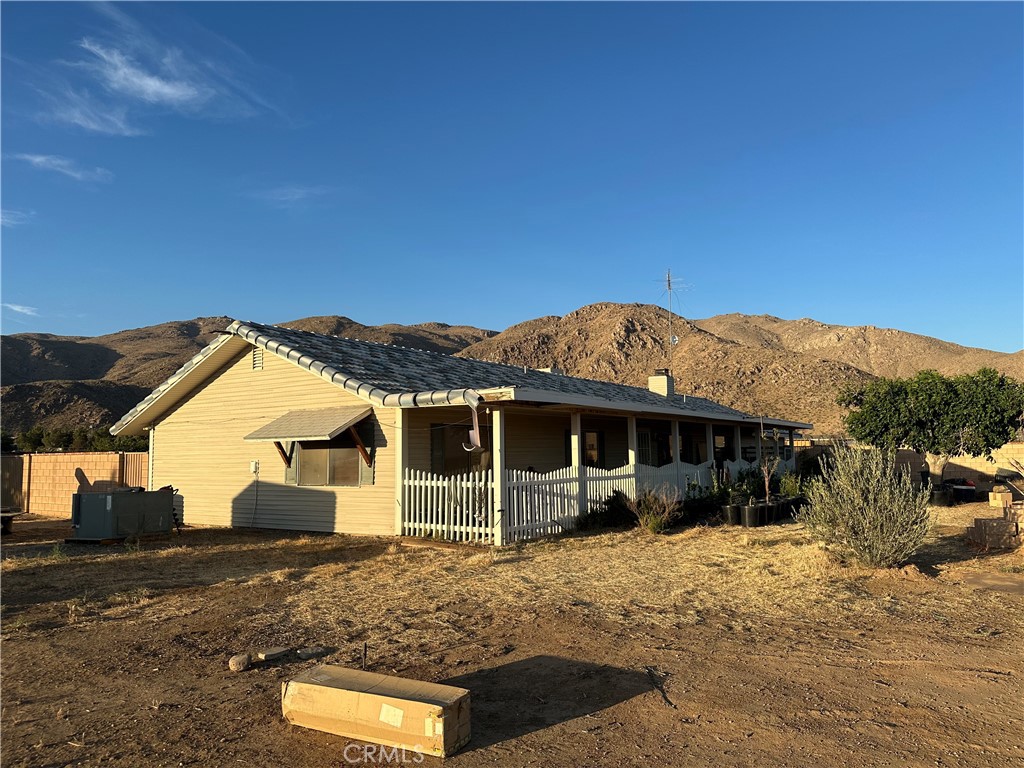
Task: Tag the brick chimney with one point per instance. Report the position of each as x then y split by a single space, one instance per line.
661 383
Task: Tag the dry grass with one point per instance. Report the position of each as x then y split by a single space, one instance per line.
406 601
736 626
421 600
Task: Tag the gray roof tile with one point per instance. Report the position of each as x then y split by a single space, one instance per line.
400 369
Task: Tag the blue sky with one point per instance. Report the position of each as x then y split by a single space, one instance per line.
858 163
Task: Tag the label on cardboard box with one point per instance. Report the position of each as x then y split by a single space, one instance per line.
391 715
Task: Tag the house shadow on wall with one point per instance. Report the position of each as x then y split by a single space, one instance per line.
524 696
283 507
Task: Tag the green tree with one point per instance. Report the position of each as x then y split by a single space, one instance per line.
7 443
937 415
57 439
30 441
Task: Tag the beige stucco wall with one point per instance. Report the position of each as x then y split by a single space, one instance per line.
199 449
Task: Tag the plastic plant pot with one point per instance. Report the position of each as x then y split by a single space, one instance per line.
750 515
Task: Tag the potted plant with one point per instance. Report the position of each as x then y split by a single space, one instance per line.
751 513
731 510
791 488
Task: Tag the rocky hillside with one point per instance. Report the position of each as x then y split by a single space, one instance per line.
435 337
62 382
760 364
627 342
878 351
143 357
67 404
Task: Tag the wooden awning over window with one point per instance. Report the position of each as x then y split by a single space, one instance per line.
321 424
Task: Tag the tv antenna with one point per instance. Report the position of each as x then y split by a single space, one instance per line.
672 340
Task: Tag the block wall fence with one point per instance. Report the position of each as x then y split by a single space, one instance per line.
48 480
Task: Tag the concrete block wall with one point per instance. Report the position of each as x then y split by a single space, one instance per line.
49 480
981 470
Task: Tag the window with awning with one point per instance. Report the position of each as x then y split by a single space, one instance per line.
323 447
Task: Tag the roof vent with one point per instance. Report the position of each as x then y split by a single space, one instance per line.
661 383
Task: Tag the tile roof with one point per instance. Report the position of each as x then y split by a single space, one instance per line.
393 369
389 375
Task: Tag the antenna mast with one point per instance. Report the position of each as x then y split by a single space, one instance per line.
672 340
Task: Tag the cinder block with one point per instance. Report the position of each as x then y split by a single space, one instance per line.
1001 542
1000 500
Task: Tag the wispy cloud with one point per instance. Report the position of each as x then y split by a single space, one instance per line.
113 81
13 218
290 195
65 166
21 309
119 73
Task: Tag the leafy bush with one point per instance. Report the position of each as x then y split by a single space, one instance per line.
791 485
864 505
613 512
656 511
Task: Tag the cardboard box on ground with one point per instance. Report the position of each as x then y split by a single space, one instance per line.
408 714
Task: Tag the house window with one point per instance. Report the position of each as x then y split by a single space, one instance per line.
644 448
448 456
593 448
335 462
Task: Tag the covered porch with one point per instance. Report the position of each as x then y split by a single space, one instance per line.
538 468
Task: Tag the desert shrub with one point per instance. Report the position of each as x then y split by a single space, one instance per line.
791 485
613 512
865 505
657 510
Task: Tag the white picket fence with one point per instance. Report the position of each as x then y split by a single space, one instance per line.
540 504
457 508
461 507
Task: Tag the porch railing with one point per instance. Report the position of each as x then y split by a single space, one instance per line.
540 504
461 507
457 508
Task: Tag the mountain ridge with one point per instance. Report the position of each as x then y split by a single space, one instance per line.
758 363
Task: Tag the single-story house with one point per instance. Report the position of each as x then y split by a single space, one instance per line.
278 428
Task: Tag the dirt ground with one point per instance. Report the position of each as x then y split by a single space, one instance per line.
708 646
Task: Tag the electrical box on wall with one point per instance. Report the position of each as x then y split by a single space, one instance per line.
254 467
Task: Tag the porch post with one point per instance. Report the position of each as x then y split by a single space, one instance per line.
709 436
676 458
631 440
402 459
792 451
759 446
576 439
500 481
631 453
738 437
576 445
